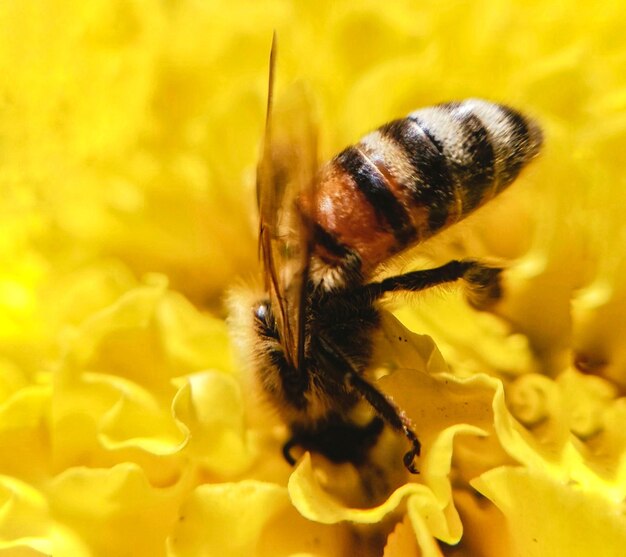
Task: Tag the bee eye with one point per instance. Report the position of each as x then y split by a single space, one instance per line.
263 314
265 320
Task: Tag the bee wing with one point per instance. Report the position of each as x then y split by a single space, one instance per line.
286 173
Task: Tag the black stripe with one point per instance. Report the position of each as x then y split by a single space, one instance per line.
328 241
375 188
434 183
477 173
450 106
349 261
517 146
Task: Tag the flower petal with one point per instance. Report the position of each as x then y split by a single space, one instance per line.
136 419
546 516
401 542
25 433
209 404
225 519
24 518
112 510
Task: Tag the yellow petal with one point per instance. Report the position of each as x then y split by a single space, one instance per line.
470 342
401 348
112 510
424 521
149 335
289 534
485 530
315 503
560 455
137 419
210 406
225 519
11 379
67 542
24 519
25 434
101 419
401 542
74 297
123 339
193 340
436 402
586 398
548 517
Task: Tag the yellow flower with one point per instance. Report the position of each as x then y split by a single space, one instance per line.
129 133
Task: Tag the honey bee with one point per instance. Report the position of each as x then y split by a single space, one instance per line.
324 233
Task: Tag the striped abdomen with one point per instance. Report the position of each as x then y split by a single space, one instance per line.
413 177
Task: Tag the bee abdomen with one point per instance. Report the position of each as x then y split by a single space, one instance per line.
459 156
412 177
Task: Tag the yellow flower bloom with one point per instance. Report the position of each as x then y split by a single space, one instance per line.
129 133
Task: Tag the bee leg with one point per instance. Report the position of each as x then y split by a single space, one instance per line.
483 281
484 287
383 405
290 444
388 411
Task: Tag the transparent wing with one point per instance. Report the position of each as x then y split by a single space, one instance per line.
287 172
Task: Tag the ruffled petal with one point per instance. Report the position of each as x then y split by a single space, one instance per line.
209 404
24 518
226 519
546 516
25 434
110 510
401 542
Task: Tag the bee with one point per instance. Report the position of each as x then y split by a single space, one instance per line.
325 232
